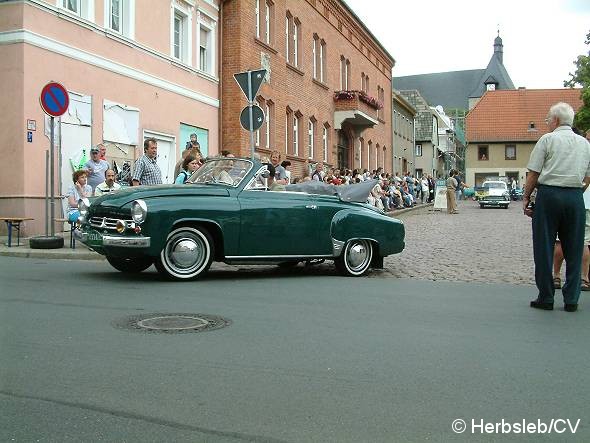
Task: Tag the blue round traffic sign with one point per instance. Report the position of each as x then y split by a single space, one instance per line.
54 99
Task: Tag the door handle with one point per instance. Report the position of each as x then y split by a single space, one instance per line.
311 207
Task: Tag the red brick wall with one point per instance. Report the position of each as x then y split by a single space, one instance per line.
295 88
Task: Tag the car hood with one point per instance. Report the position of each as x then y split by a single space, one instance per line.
496 192
128 194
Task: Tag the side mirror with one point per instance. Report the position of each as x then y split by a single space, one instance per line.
265 173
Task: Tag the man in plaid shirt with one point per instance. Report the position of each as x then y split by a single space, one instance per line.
147 171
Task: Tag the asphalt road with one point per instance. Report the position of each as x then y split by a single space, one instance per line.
308 357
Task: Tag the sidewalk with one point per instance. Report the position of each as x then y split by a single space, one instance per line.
83 253
24 251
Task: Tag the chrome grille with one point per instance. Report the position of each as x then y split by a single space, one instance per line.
107 223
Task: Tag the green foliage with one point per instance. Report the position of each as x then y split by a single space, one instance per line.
582 78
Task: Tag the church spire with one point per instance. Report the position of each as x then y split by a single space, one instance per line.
499 48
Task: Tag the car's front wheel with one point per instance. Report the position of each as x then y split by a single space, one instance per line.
187 254
356 258
130 265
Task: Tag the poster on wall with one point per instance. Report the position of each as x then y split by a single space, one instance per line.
185 136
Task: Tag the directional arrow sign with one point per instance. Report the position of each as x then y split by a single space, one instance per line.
257 118
250 82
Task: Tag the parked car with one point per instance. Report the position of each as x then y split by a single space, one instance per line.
227 213
495 194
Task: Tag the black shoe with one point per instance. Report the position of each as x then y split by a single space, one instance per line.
545 306
570 307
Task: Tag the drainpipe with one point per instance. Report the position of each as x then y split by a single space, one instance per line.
220 84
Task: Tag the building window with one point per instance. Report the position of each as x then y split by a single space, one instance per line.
72 6
257 18
295 135
181 43
287 36
482 153
292 30
377 155
322 60
81 8
268 109
325 142
362 151
264 10
381 98
288 118
116 15
206 45
510 152
363 82
120 17
311 137
315 51
418 150
344 73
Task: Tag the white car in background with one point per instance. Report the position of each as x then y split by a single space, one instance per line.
495 194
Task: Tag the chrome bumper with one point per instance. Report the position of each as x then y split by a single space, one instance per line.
110 240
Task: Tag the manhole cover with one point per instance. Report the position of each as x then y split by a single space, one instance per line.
171 323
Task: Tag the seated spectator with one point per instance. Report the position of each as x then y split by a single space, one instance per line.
189 165
286 164
78 190
108 185
318 174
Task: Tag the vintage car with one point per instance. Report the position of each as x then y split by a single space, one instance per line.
226 212
495 194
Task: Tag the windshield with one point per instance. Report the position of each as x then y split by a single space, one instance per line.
225 171
494 185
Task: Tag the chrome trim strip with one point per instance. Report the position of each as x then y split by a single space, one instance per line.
241 257
127 242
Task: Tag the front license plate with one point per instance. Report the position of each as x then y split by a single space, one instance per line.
94 238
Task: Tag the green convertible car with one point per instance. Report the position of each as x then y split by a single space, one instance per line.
227 213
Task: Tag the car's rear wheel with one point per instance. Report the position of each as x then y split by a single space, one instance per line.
187 254
356 258
132 265
481 205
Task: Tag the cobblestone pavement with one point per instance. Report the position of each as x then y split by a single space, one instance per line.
491 245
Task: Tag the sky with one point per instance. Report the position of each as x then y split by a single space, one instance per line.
542 38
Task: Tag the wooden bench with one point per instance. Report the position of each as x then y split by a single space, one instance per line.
14 222
72 228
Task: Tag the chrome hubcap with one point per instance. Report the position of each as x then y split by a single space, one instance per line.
357 255
186 252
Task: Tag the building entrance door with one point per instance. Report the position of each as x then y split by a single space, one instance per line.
343 150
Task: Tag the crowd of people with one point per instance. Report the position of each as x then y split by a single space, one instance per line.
391 191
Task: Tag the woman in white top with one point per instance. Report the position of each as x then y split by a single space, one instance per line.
79 189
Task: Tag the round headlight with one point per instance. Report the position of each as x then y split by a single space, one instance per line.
138 211
83 205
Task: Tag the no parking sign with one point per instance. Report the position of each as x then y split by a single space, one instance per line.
54 99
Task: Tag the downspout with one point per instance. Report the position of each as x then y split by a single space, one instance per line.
220 83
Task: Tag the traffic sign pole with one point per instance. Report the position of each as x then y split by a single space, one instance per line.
251 117
52 176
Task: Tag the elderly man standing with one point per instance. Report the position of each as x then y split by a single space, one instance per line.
147 171
559 167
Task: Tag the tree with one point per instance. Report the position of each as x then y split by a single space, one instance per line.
582 77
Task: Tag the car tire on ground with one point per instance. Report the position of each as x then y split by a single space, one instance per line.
187 253
356 258
133 265
481 205
46 242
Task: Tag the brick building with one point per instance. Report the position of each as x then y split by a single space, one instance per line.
325 94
